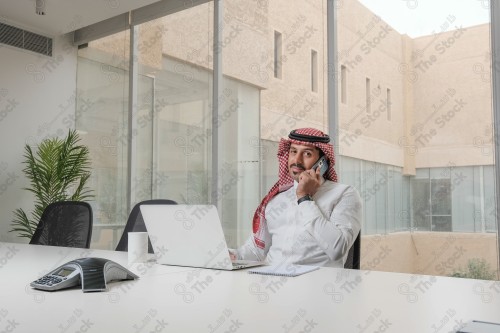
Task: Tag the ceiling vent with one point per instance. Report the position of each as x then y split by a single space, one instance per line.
25 40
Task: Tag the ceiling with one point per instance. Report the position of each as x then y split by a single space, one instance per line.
62 16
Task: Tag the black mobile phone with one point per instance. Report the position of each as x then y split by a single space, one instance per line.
322 164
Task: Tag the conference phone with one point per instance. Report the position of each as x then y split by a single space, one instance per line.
91 273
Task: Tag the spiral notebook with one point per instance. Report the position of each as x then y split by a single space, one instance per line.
289 270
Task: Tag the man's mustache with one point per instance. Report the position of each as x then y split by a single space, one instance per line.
298 165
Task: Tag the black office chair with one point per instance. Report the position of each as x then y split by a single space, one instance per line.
65 223
135 223
354 255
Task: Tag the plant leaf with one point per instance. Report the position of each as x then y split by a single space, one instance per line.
54 170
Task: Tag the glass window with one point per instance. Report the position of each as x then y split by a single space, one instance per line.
368 95
175 52
314 71
102 120
416 63
485 214
343 84
278 40
388 103
165 151
421 216
424 169
440 205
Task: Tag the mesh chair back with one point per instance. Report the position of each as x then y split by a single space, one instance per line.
135 223
65 223
354 255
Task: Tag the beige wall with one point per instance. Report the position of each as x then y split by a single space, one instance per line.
288 102
433 253
369 48
391 253
408 106
452 98
426 78
248 56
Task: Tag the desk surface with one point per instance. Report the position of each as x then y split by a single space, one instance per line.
183 299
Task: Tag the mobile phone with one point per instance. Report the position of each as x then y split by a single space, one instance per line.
322 164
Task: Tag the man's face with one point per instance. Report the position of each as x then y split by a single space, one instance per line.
301 158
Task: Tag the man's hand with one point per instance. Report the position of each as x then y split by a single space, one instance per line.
309 182
232 256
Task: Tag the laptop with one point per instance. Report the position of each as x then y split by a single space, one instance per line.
189 235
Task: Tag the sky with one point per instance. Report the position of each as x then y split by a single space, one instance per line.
425 17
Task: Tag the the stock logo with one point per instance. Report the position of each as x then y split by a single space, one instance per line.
11 105
8 255
292 47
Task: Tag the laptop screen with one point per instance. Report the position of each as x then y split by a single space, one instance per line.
187 235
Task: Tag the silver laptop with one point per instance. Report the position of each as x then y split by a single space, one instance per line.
189 235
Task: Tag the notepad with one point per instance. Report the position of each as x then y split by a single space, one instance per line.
288 270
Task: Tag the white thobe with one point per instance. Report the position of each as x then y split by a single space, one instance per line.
318 232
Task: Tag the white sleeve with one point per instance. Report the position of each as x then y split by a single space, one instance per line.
335 234
250 251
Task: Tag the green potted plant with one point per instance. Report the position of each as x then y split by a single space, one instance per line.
57 171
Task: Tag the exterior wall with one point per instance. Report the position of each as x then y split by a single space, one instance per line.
408 106
431 253
452 98
370 48
421 74
390 253
442 253
182 41
289 102
245 46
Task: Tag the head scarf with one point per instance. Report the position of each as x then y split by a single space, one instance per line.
303 136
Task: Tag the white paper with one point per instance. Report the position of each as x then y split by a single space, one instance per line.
290 270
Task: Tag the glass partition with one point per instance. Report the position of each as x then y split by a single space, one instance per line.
414 118
416 105
102 121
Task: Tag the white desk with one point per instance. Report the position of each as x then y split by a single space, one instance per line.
181 299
